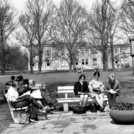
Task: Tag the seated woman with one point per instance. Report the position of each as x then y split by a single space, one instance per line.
9 83
113 89
81 90
96 88
22 101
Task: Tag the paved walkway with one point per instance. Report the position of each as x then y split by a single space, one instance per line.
69 123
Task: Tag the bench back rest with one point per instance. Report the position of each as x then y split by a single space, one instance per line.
8 101
66 90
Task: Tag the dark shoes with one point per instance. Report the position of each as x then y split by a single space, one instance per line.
102 109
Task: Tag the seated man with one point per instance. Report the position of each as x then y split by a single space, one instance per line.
41 95
113 89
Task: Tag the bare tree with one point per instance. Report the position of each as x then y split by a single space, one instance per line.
27 38
127 17
102 29
68 30
40 12
7 26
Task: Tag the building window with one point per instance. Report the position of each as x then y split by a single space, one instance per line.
48 63
94 61
86 61
82 52
82 61
121 49
86 51
116 50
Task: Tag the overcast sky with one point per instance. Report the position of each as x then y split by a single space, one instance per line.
19 4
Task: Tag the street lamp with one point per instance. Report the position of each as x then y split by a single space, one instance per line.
132 52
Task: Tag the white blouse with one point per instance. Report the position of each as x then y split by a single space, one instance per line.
94 84
12 94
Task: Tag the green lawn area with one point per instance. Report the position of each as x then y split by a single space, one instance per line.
54 79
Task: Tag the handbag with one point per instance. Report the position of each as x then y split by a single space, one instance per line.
24 118
93 108
79 110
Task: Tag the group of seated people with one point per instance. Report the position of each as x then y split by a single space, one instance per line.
96 90
19 93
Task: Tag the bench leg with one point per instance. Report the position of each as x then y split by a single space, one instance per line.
16 116
65 107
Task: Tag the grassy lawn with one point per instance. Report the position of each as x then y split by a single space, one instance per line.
54 79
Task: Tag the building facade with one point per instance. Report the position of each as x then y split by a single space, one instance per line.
87 59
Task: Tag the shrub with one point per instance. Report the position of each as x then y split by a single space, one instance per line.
123 106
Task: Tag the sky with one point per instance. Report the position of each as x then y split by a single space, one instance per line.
20 4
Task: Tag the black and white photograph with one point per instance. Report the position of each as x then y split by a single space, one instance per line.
66 66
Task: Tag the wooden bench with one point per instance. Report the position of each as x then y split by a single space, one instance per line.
16 112
66 90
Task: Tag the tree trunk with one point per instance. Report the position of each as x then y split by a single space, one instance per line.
70 67
40 62
105 61
112 52
31 63
40 52
3 69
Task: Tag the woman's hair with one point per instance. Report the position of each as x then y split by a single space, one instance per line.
26 81
96 73
82 75
31 82
19 78
12 77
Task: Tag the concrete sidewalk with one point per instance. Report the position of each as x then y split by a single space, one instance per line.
69 123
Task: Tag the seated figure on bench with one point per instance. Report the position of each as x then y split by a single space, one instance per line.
113 89
96 88
81 90
22 101
41 95
9 83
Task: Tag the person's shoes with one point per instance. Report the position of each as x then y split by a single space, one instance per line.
102 109
42 110
33 120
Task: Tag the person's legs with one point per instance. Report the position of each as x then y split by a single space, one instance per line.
46 100
20 104
114 98
110 99
81 99
85 100
98 100
101 99
35 103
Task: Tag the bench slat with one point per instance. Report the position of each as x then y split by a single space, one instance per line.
76 99
65 87
65 91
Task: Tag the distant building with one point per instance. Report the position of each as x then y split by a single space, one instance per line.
87 59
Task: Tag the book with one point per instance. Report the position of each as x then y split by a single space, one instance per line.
112 91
